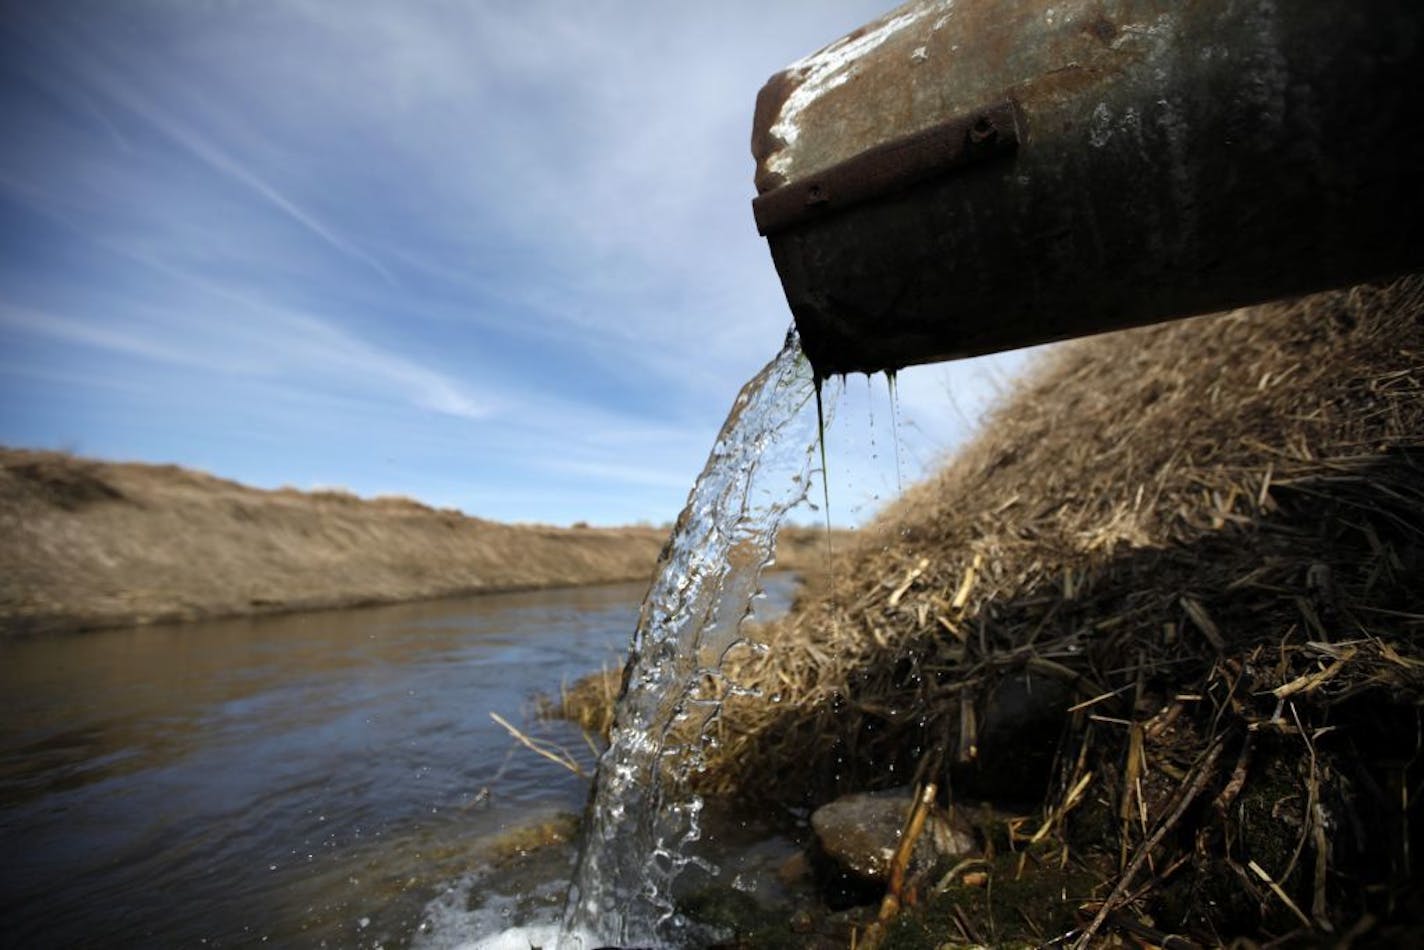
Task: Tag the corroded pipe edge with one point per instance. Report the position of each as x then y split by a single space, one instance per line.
965 140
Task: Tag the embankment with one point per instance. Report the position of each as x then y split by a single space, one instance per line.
86 544
1167 612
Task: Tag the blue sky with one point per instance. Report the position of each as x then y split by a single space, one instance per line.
493 255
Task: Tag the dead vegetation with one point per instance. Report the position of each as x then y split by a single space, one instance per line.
88 544
1169 606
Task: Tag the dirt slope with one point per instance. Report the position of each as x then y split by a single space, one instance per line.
1168 609
88 544
1207 539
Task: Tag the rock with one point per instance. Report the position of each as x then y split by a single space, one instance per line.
860 833
723 909
802 922
793 870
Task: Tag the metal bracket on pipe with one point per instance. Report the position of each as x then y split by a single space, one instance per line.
893 166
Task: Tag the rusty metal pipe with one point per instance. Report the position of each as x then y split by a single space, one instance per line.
966 176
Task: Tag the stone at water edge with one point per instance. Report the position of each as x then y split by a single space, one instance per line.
794 870
861 831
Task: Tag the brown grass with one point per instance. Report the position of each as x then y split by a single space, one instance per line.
88 544
1202 546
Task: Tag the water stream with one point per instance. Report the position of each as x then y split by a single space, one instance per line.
644 816
298 780
895 428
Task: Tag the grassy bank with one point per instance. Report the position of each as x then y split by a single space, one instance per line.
87 544
1168 610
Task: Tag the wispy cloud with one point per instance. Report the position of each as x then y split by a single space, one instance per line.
102 73
271 344
497 254
230 166
84 333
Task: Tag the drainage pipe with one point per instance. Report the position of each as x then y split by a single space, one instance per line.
966 176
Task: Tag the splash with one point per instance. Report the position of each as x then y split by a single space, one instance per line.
644 816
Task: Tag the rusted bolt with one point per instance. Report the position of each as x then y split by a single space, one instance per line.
816 195
982 130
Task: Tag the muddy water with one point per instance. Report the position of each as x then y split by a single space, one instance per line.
291 780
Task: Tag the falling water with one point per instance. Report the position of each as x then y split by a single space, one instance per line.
895 427
644 815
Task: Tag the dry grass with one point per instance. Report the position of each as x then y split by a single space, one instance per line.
91 544
1200 545
88 544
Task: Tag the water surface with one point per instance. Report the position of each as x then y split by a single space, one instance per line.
294 779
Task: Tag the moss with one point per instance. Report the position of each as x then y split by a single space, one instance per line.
1008 910
1093 825
1269 815
739 920
1267 823
723 908
519 841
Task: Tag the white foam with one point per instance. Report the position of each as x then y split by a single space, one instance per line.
518 938
495 920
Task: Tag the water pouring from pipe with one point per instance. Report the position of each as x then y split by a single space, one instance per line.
645 817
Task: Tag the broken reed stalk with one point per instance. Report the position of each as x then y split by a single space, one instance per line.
914 825
1279 891
548 750
899 864
1201 774
1153 936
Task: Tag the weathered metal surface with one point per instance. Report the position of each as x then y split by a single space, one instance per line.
1173 158
892 166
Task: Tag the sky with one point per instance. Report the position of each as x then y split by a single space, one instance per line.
493 255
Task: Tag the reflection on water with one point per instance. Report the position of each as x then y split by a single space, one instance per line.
299 778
